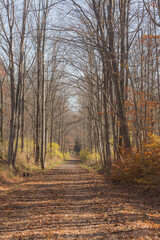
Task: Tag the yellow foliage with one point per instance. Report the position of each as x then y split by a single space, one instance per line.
90 159
67 156
23 165
84 153
28 145
54 151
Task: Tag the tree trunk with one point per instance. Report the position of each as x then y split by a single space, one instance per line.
116 79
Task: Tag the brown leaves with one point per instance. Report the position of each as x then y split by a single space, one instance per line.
72 203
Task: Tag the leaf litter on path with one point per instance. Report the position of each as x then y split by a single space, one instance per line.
70 202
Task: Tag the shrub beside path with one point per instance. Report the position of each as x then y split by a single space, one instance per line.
70 202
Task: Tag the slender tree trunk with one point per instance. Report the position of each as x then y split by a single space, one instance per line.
1 119
22 114
116 78
107 76
12 85
38 88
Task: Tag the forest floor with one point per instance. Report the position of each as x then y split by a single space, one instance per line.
70 202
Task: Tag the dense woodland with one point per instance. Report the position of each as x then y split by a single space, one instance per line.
82 72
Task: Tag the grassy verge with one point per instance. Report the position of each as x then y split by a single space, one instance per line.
6 174
11 178
90 160
91 167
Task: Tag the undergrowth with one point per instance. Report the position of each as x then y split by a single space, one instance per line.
25 162
7 174
142 169
133 168
90 159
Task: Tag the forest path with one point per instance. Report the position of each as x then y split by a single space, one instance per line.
70 202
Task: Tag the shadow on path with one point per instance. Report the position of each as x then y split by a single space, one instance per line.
69 202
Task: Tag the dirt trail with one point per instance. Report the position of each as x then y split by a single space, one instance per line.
70 202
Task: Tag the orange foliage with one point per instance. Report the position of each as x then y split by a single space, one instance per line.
151 36
149 40
111 112
138 168
2 72
149 107
101 113
152 4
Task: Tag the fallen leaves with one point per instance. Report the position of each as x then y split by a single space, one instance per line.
72 203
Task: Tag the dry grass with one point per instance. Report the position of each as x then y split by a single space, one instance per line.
10 176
